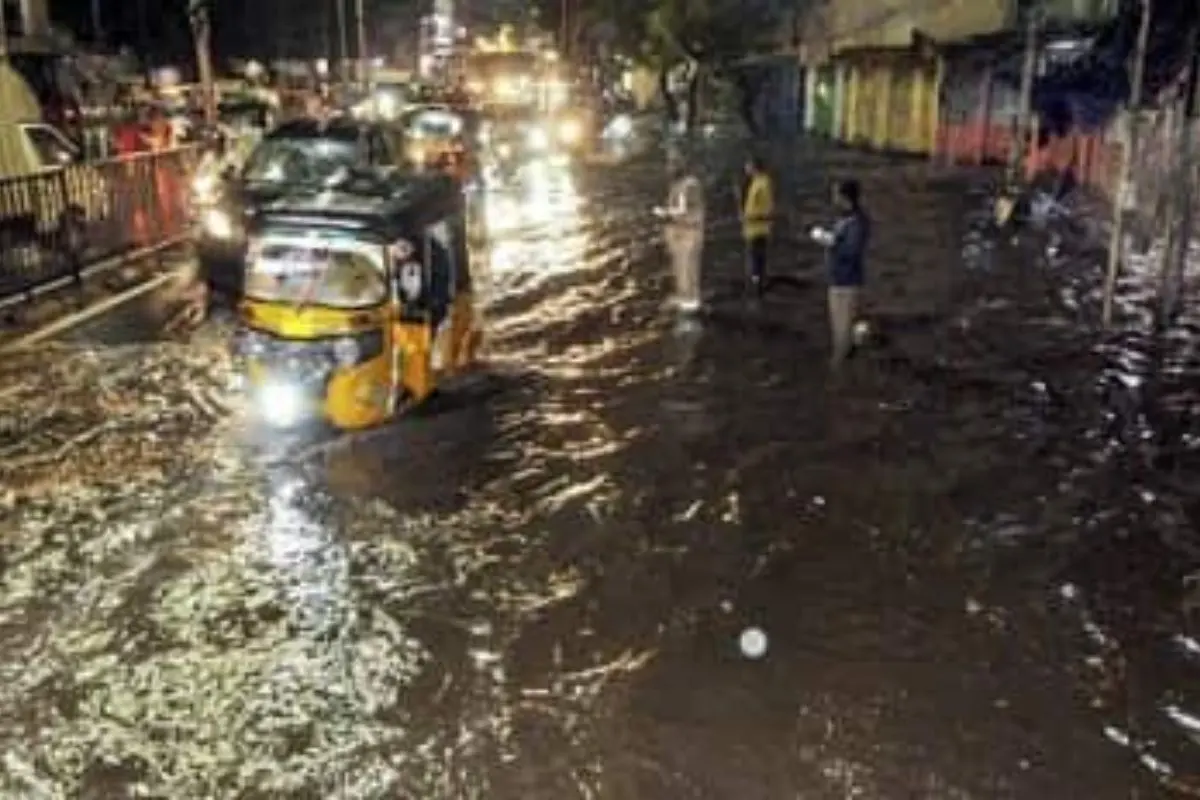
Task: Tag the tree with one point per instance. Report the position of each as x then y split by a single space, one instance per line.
694 40
686 41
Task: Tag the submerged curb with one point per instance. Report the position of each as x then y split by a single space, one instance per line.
105 302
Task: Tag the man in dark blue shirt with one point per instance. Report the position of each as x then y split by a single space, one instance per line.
846 246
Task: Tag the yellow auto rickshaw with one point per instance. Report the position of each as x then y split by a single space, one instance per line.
437 139
358 300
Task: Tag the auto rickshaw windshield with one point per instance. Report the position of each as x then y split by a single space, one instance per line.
300 161
343 275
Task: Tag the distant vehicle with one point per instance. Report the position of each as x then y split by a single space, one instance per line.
359 301
441 137
61 196
504 78
390 99
298 154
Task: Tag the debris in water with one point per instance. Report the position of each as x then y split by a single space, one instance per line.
753 642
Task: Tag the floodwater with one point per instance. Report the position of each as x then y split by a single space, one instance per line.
971 554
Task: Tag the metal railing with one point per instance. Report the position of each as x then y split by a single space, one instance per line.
57 224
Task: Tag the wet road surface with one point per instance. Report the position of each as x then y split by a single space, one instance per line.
969 553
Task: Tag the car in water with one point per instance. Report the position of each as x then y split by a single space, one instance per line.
298 154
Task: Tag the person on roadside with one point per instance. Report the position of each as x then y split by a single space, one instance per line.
845 245
129 135
160 134
757 212
683 230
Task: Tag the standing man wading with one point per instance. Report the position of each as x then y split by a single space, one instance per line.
758 212
684 233
846 246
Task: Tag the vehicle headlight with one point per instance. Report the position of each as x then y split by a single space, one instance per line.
538 139
621 127
205 187
281 404
218 224
570 131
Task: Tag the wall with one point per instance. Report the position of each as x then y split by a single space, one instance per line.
889 23
1082 10
27 20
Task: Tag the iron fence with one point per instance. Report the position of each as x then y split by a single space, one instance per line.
57 223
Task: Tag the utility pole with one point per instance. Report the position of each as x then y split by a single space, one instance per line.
343 40
200 21
1006 202
143 31
1033 21
97 24
1176 257
565 34
363 65
1129 150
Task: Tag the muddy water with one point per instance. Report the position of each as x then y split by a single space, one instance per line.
967 552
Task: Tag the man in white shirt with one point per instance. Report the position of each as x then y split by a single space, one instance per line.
683 220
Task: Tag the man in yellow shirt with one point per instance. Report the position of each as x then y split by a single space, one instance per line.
758 211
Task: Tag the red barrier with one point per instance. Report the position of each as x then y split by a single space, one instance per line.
973 143
1093 157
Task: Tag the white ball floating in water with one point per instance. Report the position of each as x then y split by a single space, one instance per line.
753 643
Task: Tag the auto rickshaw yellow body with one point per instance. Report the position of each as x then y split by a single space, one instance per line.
357 305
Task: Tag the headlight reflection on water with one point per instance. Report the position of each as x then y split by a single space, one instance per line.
310 563
543 197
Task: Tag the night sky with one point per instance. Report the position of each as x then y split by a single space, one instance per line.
242 28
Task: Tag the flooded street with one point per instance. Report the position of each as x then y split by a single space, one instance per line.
971 553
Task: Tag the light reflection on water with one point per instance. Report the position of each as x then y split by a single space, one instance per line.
1130 548
911 540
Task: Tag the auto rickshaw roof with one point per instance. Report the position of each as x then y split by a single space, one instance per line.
341 127
376 204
